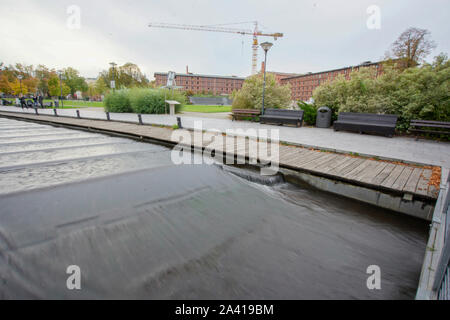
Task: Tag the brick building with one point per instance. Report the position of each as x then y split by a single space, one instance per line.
199 83
302 86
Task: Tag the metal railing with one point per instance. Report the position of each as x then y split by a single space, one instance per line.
435 276
441 284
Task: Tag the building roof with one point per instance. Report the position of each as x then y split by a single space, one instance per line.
200 75
364 64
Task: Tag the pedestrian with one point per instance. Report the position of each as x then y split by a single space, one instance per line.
41 100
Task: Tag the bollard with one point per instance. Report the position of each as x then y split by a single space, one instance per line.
179 123
78 114
140 118
107 116
54 111
36 110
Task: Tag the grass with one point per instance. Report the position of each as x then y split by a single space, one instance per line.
72 103
205 109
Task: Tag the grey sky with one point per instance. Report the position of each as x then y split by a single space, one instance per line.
319 34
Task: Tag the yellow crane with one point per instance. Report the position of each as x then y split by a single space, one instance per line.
218 28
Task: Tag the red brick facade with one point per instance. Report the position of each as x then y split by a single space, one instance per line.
198 83
302 86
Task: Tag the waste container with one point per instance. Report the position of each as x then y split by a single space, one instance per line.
323 119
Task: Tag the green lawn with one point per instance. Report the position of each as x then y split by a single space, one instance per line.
206 109
73 104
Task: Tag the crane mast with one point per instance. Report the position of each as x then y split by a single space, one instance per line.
255 33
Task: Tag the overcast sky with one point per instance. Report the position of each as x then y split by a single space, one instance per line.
318 34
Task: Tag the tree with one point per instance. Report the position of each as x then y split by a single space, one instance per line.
74 81
250 95
412 46
54 87
127 76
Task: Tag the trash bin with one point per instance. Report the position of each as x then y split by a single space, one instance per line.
323 119
56 103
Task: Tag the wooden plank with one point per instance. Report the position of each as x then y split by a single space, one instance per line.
402 178
379 178
353 174
350 167
395 173
319 161
348 161
324 164
340 159
371 172
304 158
411 184
422 184
295 155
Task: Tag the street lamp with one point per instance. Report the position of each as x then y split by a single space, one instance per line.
20 77
113 82
266 46
61 77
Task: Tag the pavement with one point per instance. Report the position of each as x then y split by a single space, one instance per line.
396 148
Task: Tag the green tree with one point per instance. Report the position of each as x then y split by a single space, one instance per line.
74 81
250 95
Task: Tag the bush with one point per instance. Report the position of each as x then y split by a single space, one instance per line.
414 93
250 95
309 114
142 100
118 101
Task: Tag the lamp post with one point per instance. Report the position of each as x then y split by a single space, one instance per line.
20 77
266 46
113 82
61 77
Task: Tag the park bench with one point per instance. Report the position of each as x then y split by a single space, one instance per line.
48 104
383 124
429 126
252 113
282 116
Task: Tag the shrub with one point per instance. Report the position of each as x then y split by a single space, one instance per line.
142 100
309 114
414 93
250 95
118 101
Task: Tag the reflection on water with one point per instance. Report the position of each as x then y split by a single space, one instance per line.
140 227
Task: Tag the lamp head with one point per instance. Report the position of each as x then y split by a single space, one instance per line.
266 46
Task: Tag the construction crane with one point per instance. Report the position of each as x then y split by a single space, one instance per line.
217 28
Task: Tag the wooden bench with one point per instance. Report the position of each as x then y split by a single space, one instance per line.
48 104
427 126
383 124
282 116
253 113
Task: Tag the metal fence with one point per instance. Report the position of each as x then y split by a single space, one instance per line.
441 284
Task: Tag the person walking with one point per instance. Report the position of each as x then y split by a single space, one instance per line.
41 100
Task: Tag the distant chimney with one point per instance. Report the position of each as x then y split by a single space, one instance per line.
187 69
262 67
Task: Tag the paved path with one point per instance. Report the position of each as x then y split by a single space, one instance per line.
376 174
398 148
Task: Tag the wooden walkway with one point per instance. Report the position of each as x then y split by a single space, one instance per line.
372 173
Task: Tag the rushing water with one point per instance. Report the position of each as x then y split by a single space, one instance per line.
140 227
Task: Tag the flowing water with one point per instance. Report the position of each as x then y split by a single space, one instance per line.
139 226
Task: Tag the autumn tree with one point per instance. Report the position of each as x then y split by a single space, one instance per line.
411 47
54 87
